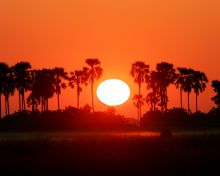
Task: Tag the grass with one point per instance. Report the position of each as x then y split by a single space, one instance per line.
108 154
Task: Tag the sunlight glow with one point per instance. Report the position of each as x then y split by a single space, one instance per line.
113 92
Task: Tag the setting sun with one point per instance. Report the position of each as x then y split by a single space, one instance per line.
113 92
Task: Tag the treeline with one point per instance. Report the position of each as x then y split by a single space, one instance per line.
83 119
180 119
157 82
43 84
69 119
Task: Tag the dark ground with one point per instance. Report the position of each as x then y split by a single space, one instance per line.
177 155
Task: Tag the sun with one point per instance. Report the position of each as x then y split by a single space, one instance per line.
113 92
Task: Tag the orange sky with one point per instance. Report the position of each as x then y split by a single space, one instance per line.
51 33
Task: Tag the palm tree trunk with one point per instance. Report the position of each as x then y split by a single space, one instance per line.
23 96
22 102
188 101
161 100
196 101
19 97
139 89
166 100
58 101
77 99
154 106
181 99
0 105
42 108
139 107
32 106
93 109
43 105
47 104
138 116
7 112
8 105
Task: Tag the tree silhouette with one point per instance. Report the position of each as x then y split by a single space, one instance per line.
199 84
95 72
60 75
87 109
33 101
21 73
180 82
138 102
111 111
188 84
78 78
139 71
43 86
8 87
44 83
216 87
166 76
3 74
153 97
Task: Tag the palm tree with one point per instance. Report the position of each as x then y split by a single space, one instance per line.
138 103
8 88
139 71
33 101
167 76
21 73
188 84
78 78
180 82
199 84
95 72
153 97
3 72
216 87
43 86
60 75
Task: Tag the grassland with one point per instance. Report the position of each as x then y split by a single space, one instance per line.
118 153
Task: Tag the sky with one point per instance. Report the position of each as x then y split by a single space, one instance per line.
50 33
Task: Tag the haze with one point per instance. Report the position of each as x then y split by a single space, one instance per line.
119 32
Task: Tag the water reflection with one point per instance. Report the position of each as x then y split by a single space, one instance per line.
74 136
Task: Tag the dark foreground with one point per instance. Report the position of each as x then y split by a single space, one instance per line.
112 155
